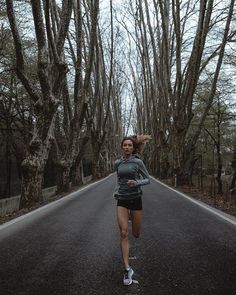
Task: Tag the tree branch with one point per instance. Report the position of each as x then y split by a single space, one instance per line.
20 66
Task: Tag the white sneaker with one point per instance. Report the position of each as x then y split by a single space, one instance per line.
127 280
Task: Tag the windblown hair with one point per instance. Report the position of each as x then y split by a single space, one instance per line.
139 142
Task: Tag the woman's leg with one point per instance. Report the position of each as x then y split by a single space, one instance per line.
122 217
136 216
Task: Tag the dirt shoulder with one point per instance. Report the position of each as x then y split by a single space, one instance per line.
216 201
6 218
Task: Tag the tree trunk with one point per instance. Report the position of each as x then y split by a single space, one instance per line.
76 168
233 175
218 149
219 170
96 173
32 182
8 160
63 183
177 152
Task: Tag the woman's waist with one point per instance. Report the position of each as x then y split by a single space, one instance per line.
128 197
128 190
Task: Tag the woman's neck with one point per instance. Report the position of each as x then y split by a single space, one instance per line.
127 156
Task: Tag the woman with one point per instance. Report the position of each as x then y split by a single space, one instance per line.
131 175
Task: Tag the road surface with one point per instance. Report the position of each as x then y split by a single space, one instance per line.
72 247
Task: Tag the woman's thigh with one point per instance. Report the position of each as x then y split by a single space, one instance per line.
136 216
122 217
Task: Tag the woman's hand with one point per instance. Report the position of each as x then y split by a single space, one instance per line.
131 183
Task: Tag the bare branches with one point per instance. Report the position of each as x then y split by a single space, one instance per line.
217 71
65 18
20 65
93 33
175 47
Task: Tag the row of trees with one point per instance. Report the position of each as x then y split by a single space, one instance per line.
60 89
87 71
182 62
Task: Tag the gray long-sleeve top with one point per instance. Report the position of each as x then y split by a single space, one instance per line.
130 169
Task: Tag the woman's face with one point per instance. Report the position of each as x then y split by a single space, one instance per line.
127 147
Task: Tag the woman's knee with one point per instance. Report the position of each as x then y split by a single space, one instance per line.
124 233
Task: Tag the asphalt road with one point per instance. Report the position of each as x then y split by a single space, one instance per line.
72 247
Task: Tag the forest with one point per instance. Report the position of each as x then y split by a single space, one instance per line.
78 75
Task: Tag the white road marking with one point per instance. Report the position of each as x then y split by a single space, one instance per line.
227 217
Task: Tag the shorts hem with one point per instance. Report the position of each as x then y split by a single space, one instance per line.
133 204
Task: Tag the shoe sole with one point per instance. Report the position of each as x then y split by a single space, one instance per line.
128 284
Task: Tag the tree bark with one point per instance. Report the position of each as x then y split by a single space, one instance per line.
46 99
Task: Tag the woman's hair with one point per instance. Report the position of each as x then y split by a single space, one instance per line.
139 142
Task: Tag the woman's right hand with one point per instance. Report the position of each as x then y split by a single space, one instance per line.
131 183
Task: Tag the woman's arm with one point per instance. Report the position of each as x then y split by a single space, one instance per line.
145 176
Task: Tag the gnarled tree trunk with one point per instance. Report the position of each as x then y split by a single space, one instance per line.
51 71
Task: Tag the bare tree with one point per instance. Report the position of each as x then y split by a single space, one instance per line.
173 56
76 112
51 71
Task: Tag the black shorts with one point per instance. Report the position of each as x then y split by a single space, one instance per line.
134 204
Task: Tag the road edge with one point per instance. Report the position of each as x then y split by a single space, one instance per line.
53 203
227 217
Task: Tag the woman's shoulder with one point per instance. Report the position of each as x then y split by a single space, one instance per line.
137 158
118 161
